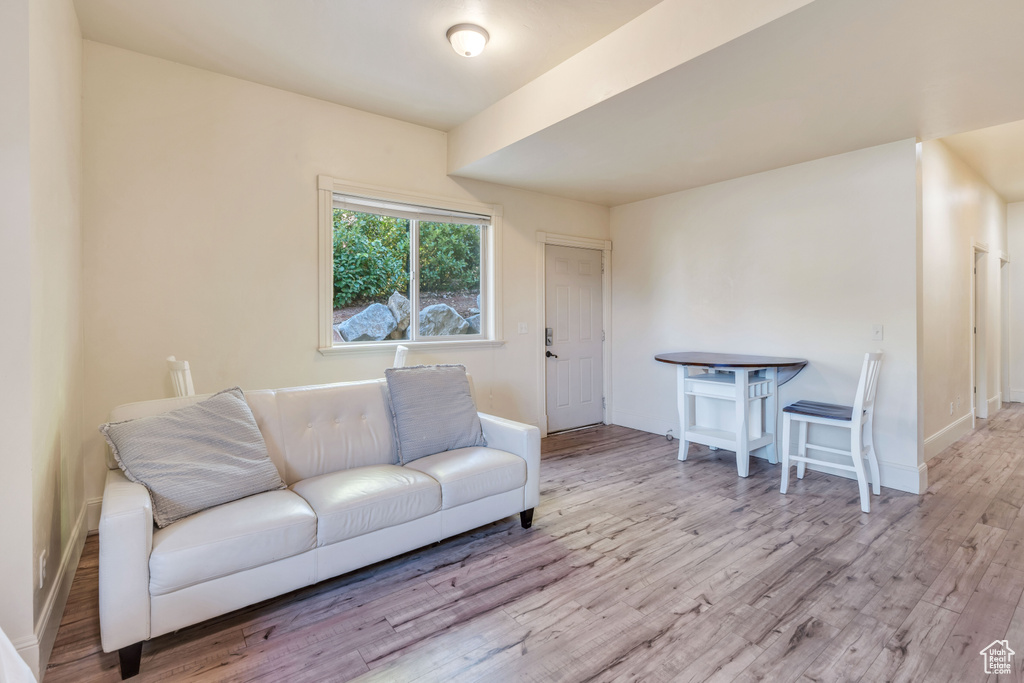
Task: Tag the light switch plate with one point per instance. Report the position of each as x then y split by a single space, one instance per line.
877 332
522 328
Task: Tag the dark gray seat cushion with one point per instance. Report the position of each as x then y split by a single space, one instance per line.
816 409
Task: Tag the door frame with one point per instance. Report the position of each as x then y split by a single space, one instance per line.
1004 326
605 247
979 332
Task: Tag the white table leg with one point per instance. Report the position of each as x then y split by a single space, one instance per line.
685 405
771 417
742 422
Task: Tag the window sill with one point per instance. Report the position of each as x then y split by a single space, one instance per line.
390 346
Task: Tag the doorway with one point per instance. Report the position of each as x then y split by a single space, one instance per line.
573 337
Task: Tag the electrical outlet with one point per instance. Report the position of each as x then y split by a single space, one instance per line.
42 567
950 407
877 332
522 328
958 401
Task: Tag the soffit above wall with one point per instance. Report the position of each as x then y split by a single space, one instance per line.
827 78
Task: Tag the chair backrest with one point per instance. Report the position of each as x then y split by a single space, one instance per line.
868 384
181 377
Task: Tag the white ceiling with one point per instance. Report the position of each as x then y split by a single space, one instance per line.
831 76
997 153
388 57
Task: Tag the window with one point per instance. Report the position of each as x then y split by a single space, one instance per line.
401 270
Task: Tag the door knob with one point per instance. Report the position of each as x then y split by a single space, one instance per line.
550 355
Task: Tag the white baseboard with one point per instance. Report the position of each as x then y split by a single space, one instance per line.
28 648
644 423
36 649
946 437
892 475
1016 396
995 404
93 508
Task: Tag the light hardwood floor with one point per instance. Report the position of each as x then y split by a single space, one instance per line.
642 568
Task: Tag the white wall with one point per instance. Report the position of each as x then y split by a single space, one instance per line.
58 502
1015 247
41 494
200 236
16 617
800 262
959 210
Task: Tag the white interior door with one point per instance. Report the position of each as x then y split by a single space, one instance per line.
573 338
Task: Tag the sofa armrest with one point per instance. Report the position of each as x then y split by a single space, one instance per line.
522 440
126 540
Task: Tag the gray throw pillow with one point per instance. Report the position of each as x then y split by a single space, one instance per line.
195 457
433 410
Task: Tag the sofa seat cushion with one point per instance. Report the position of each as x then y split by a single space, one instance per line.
230 538
468 474
354 502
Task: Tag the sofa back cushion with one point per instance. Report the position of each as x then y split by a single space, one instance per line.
308 431
333 427
263 404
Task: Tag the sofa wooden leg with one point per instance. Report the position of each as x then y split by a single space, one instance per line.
526 518
130 658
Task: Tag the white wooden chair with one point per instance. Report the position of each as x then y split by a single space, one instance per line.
858 418
181 377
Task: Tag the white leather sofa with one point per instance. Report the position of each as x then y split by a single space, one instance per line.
13 668
348 504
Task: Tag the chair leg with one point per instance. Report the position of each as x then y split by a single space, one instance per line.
784 449
130 658
876 484
801 466
857 453
526 518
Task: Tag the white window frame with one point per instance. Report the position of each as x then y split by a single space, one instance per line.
490 267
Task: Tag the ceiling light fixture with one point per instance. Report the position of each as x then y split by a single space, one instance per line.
467 39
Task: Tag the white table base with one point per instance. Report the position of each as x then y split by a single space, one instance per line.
750 394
